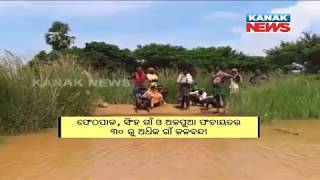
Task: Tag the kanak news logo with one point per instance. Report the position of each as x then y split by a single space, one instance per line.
268 23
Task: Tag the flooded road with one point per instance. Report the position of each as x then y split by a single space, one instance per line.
279 154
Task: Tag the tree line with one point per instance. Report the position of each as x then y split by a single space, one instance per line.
101 55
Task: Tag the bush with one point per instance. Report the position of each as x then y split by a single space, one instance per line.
29 102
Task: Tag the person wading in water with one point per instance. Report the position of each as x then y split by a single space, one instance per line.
184 81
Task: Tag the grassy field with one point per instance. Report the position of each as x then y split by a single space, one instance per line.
29 102
287 97
29 105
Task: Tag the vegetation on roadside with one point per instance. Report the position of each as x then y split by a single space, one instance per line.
288 97
29 99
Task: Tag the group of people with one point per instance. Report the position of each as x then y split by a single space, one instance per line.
146 90
199 96
149 93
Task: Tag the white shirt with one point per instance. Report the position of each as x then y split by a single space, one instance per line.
201 97
182 78
152 77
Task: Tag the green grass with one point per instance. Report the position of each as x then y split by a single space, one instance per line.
121 93
29 107
288 97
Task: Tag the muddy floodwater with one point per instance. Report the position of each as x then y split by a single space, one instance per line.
285 150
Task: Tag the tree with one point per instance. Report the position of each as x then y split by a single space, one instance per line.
101 55
161 55
306 50
313 59
58 37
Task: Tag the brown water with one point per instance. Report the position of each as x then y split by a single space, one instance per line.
278 154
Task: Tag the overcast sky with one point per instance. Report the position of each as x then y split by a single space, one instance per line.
128 23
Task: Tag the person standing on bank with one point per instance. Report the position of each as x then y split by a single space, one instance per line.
152 76
184 81
218 78
235 81
139 79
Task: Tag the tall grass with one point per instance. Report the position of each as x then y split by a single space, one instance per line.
289 97
27 106
120 93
